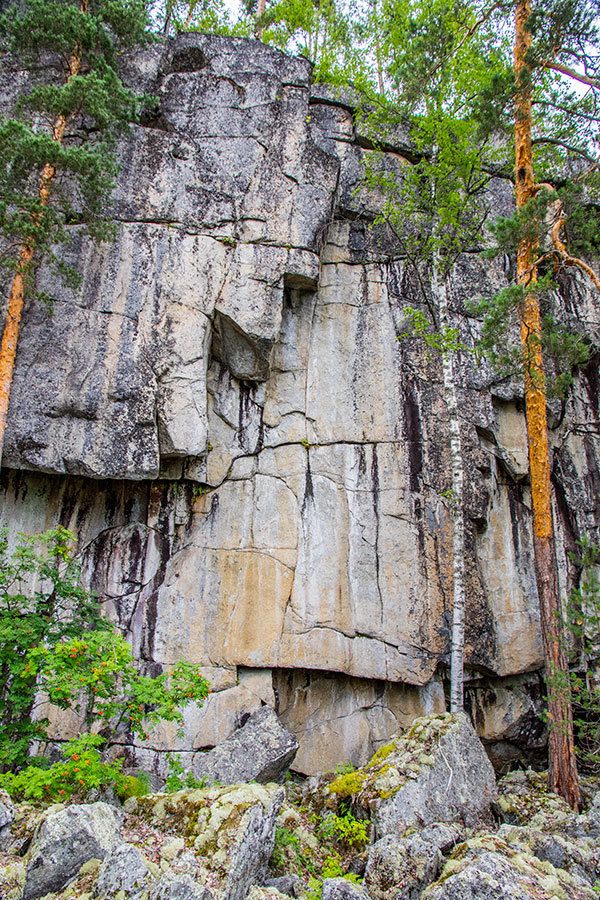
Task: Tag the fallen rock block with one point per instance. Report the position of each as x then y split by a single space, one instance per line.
487 868
232 827
261 750
437 772
67 839
579 856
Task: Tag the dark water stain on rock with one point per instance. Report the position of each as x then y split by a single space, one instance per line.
413 434
250 435
309 494
361 459
375 495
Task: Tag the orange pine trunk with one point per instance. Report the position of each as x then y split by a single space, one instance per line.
563 768
10 337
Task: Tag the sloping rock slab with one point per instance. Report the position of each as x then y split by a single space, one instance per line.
262 750
232 827
65 841
437 772
486 868
125 870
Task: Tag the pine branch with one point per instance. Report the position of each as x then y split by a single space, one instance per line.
556 142
572 73
561 249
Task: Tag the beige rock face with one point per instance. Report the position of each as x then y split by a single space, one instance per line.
255 466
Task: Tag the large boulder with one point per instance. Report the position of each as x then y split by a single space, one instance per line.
437 772
487 868
233 828
261 750
67 839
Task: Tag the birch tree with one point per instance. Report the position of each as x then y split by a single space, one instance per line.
441 196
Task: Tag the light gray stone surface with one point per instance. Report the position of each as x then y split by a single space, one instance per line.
261 750
231 828
7 809
255 467
64 842
341 889
7 815
178 887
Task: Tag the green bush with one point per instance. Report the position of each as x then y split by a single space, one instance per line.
345 829
55 644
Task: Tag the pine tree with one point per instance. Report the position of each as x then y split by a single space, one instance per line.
555 130
51 178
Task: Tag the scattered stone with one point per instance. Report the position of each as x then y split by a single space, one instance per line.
400 868
580 856
253 849
487 868
341 889
178 887
261 750
524 799
12 879
7 809
125 870
291 885
91 867
262 892
170 849
65 841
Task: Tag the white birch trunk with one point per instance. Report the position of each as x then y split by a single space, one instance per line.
457 500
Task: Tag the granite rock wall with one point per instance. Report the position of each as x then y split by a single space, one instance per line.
255 467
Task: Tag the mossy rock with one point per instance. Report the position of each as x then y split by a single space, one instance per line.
508 870
394 764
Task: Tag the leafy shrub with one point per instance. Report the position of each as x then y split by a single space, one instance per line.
55 644
57 608
332 868
81 770
345 829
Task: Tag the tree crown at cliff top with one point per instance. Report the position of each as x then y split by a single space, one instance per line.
42 35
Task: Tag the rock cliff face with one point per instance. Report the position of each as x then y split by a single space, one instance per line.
254 465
